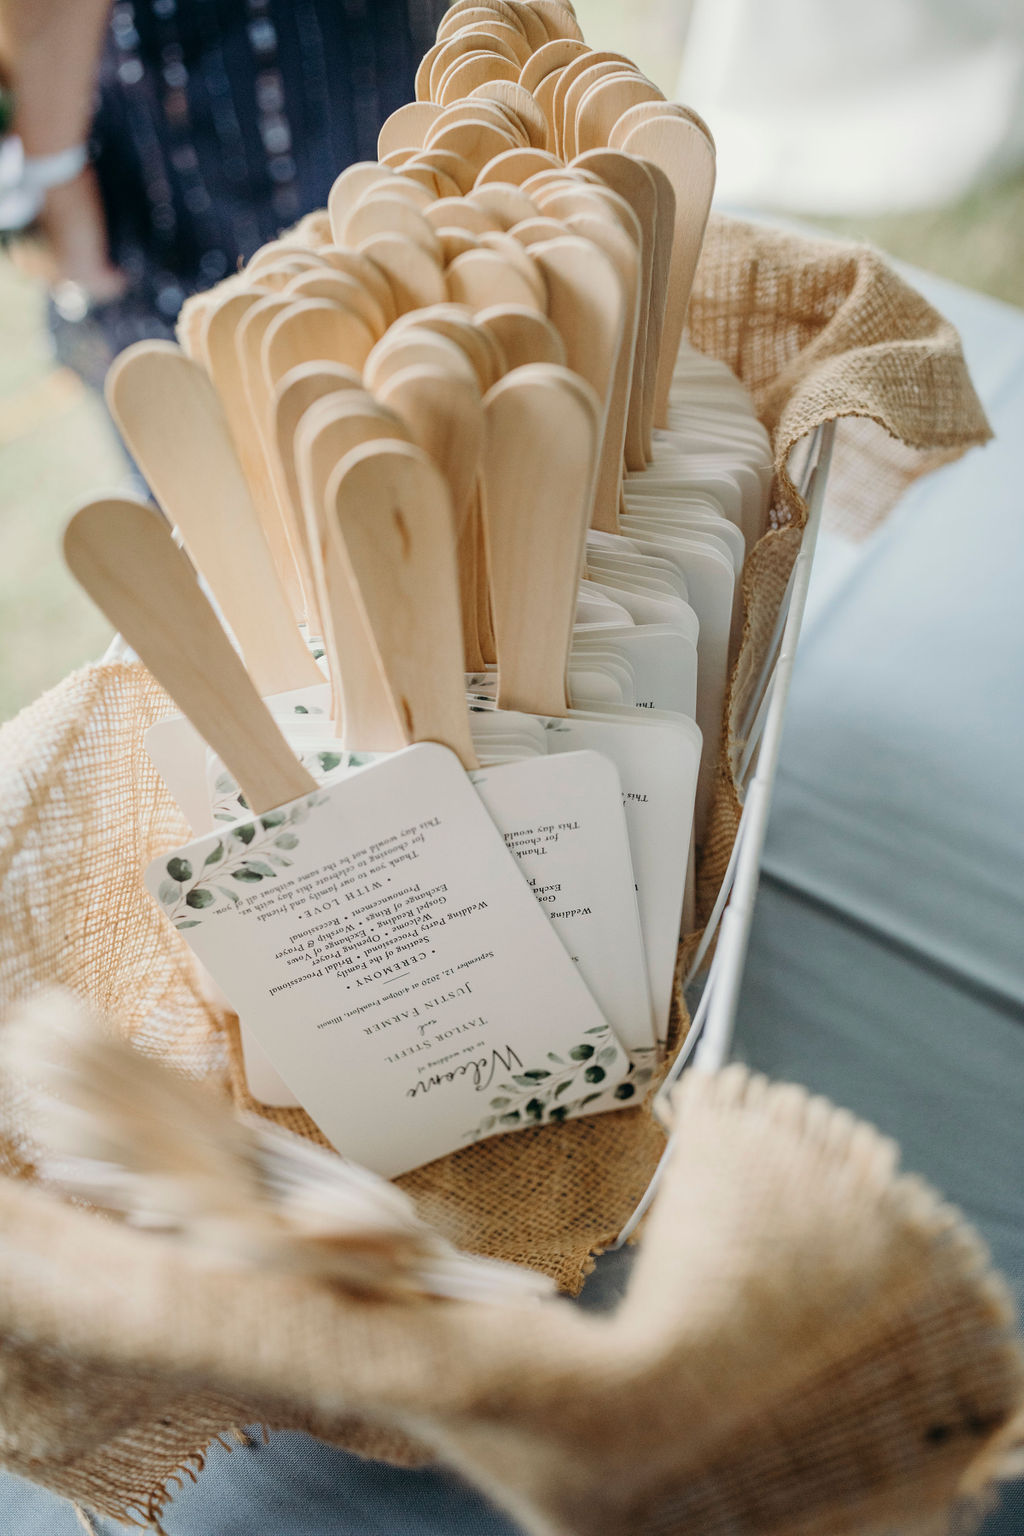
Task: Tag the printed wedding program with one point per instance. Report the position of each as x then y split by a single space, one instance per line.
383 947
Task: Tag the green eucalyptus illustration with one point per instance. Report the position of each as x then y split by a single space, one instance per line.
250 853
327 765
563 1086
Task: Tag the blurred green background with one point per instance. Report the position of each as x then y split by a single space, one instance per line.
57 447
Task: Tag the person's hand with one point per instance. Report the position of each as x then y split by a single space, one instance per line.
68 244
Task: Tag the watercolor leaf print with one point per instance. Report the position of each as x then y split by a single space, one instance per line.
548 1094
250 853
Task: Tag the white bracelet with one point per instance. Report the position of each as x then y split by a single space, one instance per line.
41 172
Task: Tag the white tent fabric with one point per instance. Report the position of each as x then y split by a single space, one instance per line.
836 108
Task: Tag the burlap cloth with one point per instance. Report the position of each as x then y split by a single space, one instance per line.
121 1358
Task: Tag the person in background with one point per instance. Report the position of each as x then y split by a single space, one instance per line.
149 145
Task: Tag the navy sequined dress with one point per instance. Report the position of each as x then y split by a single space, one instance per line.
220 122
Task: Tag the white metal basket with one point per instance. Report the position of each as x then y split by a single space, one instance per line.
713 989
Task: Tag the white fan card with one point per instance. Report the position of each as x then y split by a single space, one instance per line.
564 823
663 661
658 760
393 963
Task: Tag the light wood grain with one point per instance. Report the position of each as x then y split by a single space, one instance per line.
396 158
475 140
460 213
455 321
445 160
599 215
411 347
536 513
630 178
525 336
477 109
682 151
661 265
465 44
515 166
442 408
535 231
327 431
578 87
401 185
361 270
432 178
504 201
554 55
486 637
472 573
544 96
313 230
306 331
444 414
511 95
644 111
190 327
529 20
123 554
293 395
172 422
556 176
250 341
495 8
559 20
449 165
475 20
389 215
421 83
456 14
586 306
275 277
346 191
621 250
513 252
413 275
473 69
406 127
267 256
600 108
341 289
566 76
511 36
455 243
312 330
230 368
482 277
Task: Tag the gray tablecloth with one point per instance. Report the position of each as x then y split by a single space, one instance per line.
887 962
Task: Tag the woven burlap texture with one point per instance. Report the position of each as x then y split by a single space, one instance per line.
809 1344
817 331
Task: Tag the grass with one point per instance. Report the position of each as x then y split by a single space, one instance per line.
978 242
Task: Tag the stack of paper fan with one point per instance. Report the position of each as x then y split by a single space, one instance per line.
472 516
